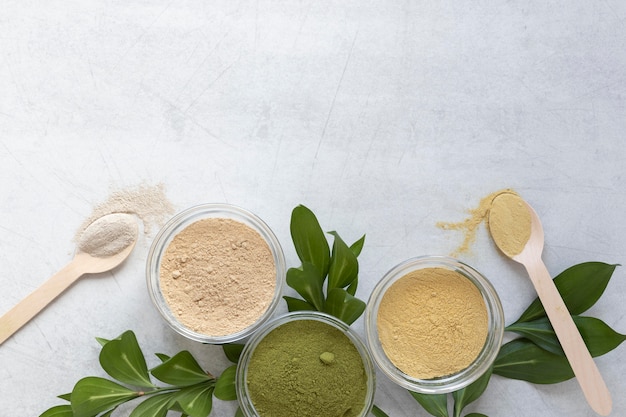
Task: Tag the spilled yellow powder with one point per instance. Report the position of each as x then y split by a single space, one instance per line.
470 225
509 223
432 322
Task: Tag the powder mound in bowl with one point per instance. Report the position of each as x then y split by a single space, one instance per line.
432 322
305 364
218 276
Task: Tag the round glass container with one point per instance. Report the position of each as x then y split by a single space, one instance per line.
178 223
462 378
243 394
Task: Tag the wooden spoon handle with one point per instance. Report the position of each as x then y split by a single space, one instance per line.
585 369
36 301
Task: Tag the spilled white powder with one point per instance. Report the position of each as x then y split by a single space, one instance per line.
148 202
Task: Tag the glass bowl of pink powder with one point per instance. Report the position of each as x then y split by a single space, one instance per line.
215 273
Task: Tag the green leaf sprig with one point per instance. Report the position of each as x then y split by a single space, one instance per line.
537 357
189 388
327 279
437 404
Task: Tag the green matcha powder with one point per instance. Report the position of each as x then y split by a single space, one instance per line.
306 368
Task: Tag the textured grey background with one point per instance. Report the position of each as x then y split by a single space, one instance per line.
382 116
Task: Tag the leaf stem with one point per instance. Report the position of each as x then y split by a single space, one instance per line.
377 412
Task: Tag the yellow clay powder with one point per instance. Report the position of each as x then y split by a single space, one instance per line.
432 322
509 223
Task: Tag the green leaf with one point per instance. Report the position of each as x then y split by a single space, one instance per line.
434 404
524 360
181 370
344 267
580 286
225 385
155 406
239 413
59 411
357 246
306 282
471 393
475 415
163 357
173 405
309 239
233 351
377 412
353 286
66 397
102 341
197 400
539 332
344 306
296 304
598 336
123 360
93 395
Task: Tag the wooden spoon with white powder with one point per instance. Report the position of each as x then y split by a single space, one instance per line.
102 246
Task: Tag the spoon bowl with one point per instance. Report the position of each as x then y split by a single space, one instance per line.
95 265
534 247
585 369
82 263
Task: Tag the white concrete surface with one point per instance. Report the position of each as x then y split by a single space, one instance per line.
382 116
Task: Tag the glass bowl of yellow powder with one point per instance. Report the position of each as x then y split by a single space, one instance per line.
215 273
305 364
434 324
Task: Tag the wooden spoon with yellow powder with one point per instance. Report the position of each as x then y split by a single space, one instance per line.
517 231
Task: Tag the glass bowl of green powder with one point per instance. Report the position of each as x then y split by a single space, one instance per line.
434 324
305 364
215 273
